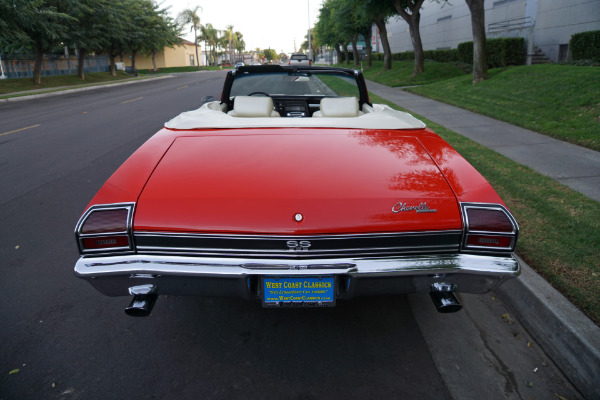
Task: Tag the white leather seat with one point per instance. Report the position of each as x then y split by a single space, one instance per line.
338 107
253 107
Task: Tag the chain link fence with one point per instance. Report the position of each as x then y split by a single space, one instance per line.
21 66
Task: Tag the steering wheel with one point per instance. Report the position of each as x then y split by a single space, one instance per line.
261 93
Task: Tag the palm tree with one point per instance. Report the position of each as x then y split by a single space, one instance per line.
191 16
210 36
240 45
230 38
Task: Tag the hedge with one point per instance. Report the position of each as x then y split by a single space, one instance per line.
500 52
433 55
585 46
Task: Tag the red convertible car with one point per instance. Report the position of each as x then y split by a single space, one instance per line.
294 190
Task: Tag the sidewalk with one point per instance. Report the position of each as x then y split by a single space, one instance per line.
570 338
571 165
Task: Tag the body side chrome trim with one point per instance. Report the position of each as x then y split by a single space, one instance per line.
299 237
315 246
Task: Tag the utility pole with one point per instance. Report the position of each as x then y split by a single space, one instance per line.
2 69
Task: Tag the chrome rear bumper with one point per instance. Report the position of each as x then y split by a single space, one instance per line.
184 275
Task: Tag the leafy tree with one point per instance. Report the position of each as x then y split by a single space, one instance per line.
324 29
410 11
14 21
192 17
40 25
270 54
332 29
341 21
118 25
141 17
479 51
163 32
341 15
90 31
378 12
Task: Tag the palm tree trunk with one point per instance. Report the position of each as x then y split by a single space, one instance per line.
196 44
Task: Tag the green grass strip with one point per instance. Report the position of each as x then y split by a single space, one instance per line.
401 73
48 82
561 101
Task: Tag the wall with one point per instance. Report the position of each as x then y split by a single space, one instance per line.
547 24
179 56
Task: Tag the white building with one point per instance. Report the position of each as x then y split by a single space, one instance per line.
545 24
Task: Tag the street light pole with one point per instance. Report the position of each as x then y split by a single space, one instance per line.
2 69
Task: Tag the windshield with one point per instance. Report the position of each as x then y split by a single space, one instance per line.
295 84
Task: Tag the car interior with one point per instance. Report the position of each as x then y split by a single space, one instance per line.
261 107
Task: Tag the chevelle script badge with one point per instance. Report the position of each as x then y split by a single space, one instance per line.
421 208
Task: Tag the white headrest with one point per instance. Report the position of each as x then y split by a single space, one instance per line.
339 107
252 107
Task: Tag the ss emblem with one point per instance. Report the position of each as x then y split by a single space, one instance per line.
298 245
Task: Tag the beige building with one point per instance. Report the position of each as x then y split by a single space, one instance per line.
183 55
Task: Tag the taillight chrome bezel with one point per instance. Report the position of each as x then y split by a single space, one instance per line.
511 235
127 232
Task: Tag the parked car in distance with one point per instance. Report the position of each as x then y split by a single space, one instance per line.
294 190
239 64
298 59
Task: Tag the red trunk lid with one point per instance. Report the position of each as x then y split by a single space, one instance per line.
256 182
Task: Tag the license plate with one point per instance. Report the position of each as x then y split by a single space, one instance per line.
298 291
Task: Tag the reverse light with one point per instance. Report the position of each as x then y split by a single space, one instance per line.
105 228
488 227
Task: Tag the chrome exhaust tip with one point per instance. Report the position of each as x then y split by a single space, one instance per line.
141 305
144 298
443 298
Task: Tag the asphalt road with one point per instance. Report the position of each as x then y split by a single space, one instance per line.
60 339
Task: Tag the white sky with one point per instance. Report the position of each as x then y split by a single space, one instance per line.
265 24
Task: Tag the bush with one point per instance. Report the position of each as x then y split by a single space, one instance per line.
465 52
450 55
586 46
501 52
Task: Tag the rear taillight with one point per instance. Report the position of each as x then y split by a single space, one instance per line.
488 227
105 228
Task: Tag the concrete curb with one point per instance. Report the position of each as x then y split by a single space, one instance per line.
569 337
80 89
